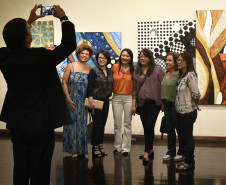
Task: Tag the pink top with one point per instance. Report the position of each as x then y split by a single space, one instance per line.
151 88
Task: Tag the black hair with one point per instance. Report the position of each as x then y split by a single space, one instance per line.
15 33
106 54
130 62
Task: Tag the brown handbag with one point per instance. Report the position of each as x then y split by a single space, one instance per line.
97 104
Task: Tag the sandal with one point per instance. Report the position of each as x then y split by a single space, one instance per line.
95 151
101 148
74 156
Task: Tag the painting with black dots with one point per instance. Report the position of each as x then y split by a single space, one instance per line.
163 37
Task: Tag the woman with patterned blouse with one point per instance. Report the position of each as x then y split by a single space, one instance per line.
148 96
100 81
186 106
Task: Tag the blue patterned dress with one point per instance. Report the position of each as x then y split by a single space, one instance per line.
75 135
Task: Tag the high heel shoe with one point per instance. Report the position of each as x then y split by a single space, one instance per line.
95 149
151 156
101 148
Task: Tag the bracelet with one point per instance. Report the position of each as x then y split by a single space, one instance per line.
29 26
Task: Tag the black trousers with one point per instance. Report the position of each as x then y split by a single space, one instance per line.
171 123
32 153
99 122
149 114
185 124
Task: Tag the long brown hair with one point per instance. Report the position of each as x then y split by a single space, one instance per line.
190 64
147 53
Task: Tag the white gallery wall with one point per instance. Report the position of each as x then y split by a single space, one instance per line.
121 16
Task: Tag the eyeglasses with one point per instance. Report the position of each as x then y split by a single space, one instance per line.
180 60
144 57
102 58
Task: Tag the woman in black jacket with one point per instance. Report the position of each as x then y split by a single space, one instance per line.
100 81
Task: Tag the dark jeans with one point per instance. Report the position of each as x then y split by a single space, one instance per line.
171 122
99 122
32 153
185 123
148 115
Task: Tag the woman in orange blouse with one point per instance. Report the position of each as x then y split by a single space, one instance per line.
122 101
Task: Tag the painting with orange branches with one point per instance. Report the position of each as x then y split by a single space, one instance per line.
211 55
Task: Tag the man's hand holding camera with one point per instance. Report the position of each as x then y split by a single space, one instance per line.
59 13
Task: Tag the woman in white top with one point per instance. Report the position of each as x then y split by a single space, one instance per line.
186 106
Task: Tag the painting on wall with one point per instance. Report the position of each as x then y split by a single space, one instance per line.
109 41
211 55
162 37
42 34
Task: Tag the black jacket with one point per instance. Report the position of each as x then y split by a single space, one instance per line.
35 101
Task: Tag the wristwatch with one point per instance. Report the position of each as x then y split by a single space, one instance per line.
64 18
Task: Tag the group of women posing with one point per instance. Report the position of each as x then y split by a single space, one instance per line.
147 88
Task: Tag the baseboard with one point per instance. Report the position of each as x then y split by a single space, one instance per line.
4 132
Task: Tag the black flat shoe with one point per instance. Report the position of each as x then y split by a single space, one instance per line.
81 156
180 164
145 160
116 151
125 154
184 167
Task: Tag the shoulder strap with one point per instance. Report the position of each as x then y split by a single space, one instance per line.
142 83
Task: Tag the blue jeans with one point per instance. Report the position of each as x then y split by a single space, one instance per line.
171 122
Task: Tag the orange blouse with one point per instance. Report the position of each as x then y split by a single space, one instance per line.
122 81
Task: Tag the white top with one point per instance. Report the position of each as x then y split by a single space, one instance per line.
187 91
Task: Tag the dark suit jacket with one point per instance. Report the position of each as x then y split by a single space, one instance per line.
35 101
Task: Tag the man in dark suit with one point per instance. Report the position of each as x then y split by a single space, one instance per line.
35 103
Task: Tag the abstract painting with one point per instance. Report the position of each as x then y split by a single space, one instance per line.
162 37
42 34
109 41
211 55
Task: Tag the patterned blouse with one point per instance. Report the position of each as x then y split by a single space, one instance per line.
99 85
151 89
187 90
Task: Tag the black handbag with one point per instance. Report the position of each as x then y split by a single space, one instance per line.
138 108
163 127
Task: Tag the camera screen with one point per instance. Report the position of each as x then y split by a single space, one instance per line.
47 10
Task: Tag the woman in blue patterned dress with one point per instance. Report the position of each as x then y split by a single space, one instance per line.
75 82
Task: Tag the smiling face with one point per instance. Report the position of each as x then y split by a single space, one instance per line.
125 58
144 60
84 56
102 60
181 63
170 63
